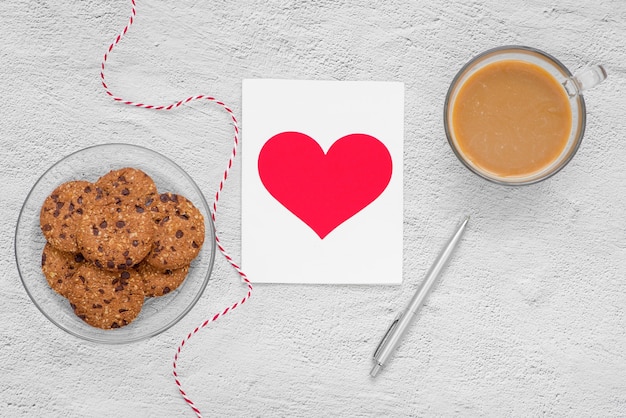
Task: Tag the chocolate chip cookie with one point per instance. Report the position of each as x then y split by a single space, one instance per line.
116 237
158 282
59 268
127 185
62 211
106 299
179 232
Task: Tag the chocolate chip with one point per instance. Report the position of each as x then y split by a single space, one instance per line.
166 290
194 245
114 325
97 306
179 234
122 310
100 249
125 253
43 259
129 262
139 209
81 278
56 213
125 192
135 243
103 224
174 198
121 266
47 227
79 211
125 275
54 197
101 291
149 201
79 258
115 281
172 249
73 306
62 235
164 198
119 288
120 224
79 200
98 263
60 205
168 271
87 189
107 301
95 231
110 264
167 218
71 208
122 179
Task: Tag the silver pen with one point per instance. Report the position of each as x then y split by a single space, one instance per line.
399 326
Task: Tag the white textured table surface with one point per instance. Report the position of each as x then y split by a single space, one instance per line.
529 317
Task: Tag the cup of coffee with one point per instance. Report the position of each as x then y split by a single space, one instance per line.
515 115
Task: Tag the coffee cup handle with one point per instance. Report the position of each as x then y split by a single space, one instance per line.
585 79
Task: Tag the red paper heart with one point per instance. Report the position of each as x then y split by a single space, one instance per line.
324 189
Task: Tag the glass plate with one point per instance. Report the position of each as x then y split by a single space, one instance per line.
157 314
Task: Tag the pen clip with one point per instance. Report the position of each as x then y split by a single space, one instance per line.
391 327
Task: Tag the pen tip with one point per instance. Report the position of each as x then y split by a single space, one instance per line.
375 370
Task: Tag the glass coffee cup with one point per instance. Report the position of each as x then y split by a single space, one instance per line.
515 115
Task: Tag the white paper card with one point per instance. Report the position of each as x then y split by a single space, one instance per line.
322 165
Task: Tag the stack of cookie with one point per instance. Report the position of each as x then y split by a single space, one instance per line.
114 242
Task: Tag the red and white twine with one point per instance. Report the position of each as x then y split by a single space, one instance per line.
171 106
